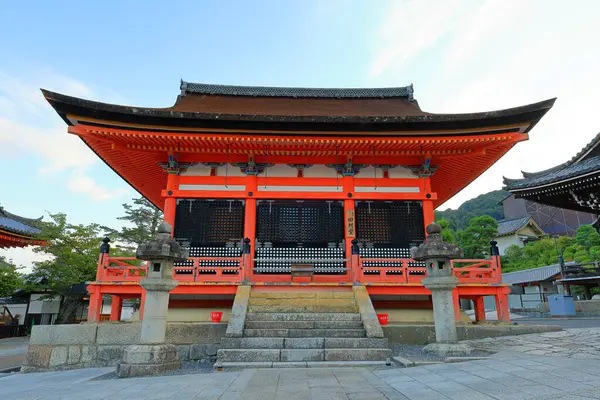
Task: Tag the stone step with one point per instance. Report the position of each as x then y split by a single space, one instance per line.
302 295
302 333
302 302
275 316
304 325
301 308
237 366
296 355
252 343
357 354
355 343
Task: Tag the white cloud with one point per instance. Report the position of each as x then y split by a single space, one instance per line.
412 26
24 257
500 54
29 125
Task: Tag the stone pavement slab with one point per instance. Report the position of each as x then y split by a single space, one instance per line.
503 376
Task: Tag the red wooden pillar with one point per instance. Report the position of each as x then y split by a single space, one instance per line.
250 225
456 303
95 304
142 303
171 202
115 308
428 212
350 229
479 306
502 304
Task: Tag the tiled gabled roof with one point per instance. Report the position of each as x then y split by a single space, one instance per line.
265 91
585 161
17 224
510 226
532 275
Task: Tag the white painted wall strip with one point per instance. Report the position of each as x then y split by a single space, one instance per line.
213 187
386 189
268 188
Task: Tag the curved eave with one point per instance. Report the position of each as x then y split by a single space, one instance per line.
66 106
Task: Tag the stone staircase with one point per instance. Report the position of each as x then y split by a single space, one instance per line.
302 328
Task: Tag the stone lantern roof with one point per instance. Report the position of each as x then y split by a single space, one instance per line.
163 247
435 247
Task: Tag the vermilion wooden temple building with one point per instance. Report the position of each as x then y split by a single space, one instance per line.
342 180
17 231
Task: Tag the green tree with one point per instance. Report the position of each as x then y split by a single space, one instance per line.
485 204
143 218
73 256
475 239
10 278
587 236
447 233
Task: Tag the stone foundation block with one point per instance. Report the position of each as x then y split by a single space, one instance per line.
357 354
59 356
109 355
64 334
355 343
142 360
74 356
188 333
248 355
252 343
119 333
38 356
304 343
302 355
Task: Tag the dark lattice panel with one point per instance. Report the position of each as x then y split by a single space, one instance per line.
391 224
289 223
373 252
207 266
209 223
278 260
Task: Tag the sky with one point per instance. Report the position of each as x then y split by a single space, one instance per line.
461 55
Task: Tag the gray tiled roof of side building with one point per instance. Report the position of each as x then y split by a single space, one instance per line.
509 226
554 175
532 275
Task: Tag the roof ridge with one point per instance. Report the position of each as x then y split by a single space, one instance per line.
514 219
405 92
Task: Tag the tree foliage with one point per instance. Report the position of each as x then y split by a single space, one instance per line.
143 217
475 238
10 278
72 252
485 204
584 247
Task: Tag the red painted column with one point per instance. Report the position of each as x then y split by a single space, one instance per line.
479 308
142 303
95 304
115 309
353 271
428 217
250 225
171 202
455 300
502 305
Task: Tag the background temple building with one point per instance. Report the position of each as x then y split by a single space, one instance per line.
260 180
17 231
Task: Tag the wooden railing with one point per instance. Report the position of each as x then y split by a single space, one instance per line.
202 269
400 270
385 270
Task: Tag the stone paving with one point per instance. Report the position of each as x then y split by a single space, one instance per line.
12 351
504 376
571 343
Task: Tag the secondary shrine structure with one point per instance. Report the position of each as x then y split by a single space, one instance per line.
292 187
17 231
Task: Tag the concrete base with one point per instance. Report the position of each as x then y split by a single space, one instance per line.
448 349
151 359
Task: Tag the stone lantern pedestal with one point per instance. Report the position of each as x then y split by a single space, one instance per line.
152 356
440 281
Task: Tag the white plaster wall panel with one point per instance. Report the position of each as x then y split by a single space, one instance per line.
369 172
197 170
231 170
320 171
401 172
280 171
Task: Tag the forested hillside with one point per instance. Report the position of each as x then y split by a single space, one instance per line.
485 204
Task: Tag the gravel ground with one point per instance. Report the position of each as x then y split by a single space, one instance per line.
187 368
415 352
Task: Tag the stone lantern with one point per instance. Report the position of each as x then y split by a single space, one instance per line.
153 356
437 255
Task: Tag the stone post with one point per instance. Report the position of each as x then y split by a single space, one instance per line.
440 281
153 356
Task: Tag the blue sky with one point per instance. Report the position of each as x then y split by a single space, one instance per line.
461 55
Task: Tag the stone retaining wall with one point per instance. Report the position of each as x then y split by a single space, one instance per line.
59 347
424 334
